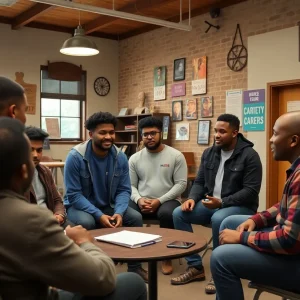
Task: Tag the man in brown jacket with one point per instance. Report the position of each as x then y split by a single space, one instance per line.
35 253
43 190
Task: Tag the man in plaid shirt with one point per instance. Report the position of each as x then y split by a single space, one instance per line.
262 247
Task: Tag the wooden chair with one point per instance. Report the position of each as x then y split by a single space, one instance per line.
190 161
285 295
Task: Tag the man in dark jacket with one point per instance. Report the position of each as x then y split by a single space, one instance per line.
43 191
228 183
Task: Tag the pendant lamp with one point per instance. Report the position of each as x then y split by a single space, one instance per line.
79 44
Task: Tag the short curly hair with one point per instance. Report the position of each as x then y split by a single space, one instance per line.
233 120
150 122
100 118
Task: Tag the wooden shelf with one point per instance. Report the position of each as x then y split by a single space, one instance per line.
134 116
123 135
126 143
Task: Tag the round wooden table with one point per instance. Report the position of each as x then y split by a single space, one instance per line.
152 253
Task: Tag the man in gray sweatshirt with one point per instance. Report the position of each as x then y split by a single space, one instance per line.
158 175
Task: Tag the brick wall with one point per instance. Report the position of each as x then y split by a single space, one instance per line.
140 54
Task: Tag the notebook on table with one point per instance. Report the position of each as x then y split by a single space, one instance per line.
130 239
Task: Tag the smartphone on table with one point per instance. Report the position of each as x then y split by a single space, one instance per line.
181 244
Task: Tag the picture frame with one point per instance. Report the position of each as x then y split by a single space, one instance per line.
206 107
203 132
177 110
123 111
191 111
199 75
182 132
179 69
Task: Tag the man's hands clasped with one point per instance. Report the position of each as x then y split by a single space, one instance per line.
111 222
148 206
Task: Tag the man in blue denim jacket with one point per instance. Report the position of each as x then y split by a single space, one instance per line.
97 182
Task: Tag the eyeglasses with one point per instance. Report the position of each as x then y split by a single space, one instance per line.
151 133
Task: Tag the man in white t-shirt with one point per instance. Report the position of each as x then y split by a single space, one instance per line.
228 183
158 175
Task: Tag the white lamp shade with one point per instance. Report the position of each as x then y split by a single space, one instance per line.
79 45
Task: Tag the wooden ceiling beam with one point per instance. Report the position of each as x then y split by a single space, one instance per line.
138 6
29 15
176 18
57 28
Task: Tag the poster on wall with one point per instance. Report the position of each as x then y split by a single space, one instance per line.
159 80
30 91
234 100
254 110
199 75
178 89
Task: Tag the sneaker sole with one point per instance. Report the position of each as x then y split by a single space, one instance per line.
185 282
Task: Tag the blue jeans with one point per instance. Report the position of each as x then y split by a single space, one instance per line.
231 262
129 286
131 218
201 215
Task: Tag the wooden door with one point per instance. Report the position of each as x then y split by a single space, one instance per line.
286 94
280 96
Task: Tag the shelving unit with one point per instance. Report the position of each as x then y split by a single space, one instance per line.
132 137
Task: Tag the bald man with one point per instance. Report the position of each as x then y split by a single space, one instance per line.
13 101
265 247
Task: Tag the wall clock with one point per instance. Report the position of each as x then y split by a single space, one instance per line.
101 86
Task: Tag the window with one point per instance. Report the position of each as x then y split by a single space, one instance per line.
63 104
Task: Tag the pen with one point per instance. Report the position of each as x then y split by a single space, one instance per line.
147 244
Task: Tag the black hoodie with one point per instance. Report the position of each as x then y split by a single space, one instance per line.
242 175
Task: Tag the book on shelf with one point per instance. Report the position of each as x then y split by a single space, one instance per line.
130 127
130 239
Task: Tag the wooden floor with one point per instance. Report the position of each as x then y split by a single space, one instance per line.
194 290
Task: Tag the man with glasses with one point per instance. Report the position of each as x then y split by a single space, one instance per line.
158 176
98 184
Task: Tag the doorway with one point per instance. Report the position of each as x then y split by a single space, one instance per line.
280 95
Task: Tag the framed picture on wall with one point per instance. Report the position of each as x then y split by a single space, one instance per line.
191 109
206 107
203 132
179 69
177 110
182 131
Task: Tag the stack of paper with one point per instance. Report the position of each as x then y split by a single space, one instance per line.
130 239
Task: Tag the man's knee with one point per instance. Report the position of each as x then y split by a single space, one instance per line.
135 219
135 290
84 219
177 213
165 215
232 222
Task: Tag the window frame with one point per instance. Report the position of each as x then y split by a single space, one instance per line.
83 107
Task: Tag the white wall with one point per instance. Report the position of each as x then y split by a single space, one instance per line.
27 49
273 57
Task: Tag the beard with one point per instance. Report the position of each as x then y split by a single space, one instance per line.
154 146
100 145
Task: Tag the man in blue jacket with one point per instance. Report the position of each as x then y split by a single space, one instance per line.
228 183
98 184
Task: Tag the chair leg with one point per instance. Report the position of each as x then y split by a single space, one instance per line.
257 294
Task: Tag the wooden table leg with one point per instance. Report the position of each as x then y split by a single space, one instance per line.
152 280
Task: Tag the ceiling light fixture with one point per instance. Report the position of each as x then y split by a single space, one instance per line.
121 14
79 44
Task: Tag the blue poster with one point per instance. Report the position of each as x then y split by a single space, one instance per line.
254 110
